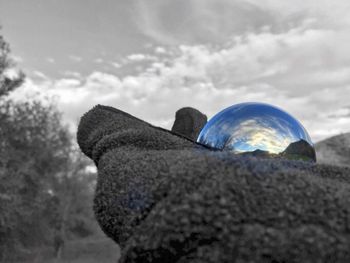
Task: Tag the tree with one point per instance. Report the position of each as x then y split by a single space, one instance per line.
45 189
73 190
33 143
7 83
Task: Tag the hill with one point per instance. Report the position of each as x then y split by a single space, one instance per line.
334 150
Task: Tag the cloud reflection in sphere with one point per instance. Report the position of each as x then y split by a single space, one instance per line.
258 129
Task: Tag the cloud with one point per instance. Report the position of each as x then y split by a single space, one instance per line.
327 12
98 60
75 58
156 96
137 57
116 65
39 74
17 59
10 73
140 57
50 60
294 56
340 113
73 74
196 21
214 21
160 50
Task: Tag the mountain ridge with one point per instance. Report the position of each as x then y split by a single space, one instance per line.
334 150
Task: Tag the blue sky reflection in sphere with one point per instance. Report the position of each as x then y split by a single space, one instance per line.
260 128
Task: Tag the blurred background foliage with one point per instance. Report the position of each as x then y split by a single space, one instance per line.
46 184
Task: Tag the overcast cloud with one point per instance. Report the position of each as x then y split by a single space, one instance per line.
211 54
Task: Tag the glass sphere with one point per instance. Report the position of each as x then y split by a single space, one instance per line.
258 129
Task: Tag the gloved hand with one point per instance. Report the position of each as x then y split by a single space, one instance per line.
165 198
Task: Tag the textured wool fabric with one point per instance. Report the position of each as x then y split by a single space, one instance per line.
164 198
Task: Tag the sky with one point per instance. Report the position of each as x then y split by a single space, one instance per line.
152 57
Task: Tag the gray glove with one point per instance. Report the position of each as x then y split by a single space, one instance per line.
165 198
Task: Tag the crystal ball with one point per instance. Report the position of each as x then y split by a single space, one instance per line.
260 130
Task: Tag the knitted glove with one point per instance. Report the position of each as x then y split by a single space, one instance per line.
164 198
